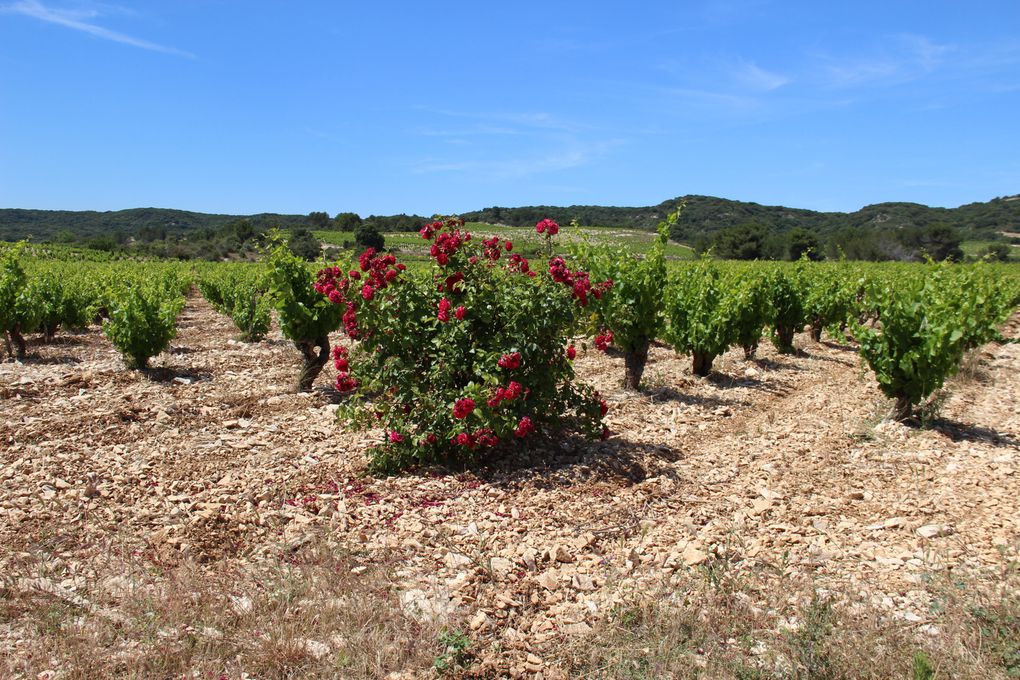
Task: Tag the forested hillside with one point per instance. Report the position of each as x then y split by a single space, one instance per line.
732 229
705 214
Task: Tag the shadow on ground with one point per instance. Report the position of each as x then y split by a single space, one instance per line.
958 431
572 461
172 373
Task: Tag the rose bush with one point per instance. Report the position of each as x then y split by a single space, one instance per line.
470 352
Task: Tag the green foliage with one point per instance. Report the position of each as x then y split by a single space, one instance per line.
346 221
995 252
304 314
633 308
745 242
922 668
318 220
51 300
935 241
368 236
63 297
306 317
12 285
804 243
456 650
749 307
142 320
828 295
401 222
927 323
17 223
242 293
20 311
700 321
787 309
304 244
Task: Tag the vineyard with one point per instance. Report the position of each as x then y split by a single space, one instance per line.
517 453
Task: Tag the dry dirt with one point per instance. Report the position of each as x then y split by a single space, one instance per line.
782 462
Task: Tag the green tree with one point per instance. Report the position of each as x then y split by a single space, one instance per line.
347 221
318 220
63 236
938 241
744 242
748 303
241 230
995 252
367 236
803 242
304 244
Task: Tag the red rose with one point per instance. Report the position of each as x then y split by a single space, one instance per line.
462 408
524 427
444 310
510 361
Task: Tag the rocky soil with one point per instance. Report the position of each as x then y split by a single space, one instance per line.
782 462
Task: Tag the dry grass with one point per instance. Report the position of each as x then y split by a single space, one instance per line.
729 624
313 614
317 614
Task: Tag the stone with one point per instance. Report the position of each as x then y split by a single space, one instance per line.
933 530
501 566
455 560
529 557
560 553
548 580
692 556
420 605
479 620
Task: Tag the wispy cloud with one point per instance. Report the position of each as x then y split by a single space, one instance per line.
476 130
79 20
518 167
754 77
723 84
903 59
508 122
518 144
716 99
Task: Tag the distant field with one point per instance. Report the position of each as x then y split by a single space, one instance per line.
526 240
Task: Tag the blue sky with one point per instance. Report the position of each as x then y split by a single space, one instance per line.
445 107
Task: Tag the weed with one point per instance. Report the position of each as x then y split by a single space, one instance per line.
922 669
456 652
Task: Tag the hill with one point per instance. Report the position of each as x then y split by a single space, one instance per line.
41 225
700 220
704 215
